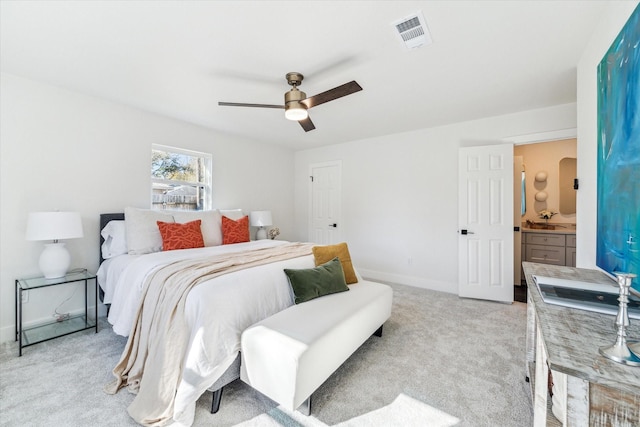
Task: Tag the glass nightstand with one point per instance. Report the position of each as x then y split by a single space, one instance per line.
57 328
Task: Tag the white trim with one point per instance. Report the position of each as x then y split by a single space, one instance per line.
543 136
168 148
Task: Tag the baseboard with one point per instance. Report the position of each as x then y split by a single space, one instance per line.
7 333
418 282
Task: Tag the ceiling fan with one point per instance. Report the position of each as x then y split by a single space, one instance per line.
296 102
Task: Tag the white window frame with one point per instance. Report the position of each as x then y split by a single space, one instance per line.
206 185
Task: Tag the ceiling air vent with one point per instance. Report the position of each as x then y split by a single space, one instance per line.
413 31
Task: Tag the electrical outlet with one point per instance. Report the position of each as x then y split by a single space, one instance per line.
25 297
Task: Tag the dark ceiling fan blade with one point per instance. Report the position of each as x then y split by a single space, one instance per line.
307 124
241 104
331 94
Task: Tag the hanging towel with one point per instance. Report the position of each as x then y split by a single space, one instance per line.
523 201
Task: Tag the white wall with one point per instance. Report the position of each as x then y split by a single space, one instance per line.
62 150
400 194
609 27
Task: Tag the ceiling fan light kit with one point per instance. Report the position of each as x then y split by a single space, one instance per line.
296 102
295 111
293 108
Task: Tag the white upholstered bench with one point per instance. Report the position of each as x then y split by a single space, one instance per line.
290 354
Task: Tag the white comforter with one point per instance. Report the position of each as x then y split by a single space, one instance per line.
217 311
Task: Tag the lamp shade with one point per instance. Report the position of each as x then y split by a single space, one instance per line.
260 218
54 226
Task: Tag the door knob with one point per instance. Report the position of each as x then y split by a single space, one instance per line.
466 232
334 225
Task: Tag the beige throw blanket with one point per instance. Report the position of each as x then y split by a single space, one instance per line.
152 361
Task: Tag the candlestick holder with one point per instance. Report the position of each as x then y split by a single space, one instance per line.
620 351
634 346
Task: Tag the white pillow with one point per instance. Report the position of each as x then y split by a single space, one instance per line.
211 225
143 235
234 214
115 239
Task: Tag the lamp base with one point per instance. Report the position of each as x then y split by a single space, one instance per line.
261 234
54 260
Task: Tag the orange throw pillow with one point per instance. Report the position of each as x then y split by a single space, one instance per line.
323 254
235 231
180 236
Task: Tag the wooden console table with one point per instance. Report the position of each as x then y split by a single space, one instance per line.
598 391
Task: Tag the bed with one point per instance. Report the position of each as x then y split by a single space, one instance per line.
205 355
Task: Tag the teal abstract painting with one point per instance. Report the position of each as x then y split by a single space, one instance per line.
618 223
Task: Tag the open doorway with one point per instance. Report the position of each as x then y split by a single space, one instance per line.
547 186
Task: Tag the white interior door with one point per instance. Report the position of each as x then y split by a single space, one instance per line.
325 203
485 219
518 185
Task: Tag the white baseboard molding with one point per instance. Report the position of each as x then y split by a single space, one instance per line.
418 282
7 334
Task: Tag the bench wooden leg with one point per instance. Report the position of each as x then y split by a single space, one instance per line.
305 408
378 333
215 401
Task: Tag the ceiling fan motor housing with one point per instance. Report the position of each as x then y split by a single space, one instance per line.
294 95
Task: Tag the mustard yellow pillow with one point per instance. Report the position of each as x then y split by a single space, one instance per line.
323 254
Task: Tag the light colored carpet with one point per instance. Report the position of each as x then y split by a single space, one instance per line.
452 357
404 411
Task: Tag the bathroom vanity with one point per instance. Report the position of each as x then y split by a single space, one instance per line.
545 246
556 246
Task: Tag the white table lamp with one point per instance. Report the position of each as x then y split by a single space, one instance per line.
55 259
260 219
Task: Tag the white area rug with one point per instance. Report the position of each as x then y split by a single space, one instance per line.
403 411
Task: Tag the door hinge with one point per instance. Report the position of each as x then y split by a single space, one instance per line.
311 178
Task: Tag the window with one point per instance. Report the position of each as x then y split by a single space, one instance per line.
180 179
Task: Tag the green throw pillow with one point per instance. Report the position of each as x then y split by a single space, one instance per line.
311 283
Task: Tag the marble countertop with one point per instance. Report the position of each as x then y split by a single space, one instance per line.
559 228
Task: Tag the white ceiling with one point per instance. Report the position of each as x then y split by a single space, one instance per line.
179 58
